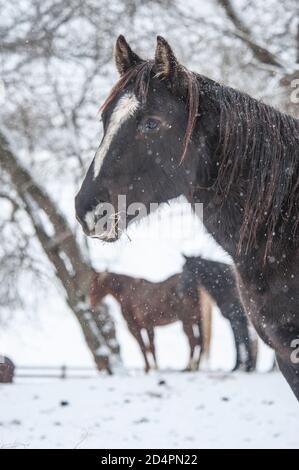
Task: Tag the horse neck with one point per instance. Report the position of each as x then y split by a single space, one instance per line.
113 285
244 202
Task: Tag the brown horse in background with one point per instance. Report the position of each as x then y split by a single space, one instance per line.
146 304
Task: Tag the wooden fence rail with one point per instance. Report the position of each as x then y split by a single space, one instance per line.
59 372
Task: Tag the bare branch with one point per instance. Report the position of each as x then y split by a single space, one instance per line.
244 34
59 251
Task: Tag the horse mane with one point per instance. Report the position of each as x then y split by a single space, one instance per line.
258 154
257 151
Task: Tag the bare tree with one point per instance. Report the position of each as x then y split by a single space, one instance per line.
29 42
287 68
243 33
62 250
246 43
52 55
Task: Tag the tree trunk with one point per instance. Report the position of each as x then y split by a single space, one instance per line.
64 253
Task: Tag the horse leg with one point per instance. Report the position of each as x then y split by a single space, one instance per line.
136 332
193 342
151 337
244 349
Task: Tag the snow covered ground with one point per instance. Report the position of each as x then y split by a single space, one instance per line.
169 408
162 410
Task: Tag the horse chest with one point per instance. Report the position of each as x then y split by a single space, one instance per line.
274 304
254 304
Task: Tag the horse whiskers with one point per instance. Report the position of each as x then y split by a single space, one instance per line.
113 226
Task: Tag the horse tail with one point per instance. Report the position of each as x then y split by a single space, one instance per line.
254 347
206 305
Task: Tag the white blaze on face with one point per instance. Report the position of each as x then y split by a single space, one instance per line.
125 108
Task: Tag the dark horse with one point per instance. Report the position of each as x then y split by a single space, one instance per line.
219 281
146 304
169 132
7 370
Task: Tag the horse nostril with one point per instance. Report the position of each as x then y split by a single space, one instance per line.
89 209
81 214
99 215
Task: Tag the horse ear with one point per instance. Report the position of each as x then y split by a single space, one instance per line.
124 56
165 60
168 67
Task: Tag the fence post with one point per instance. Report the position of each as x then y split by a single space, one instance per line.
63 372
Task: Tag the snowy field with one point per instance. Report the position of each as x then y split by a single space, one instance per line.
171 409
162 410
166 409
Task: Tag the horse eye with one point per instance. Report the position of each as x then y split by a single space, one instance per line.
150 125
